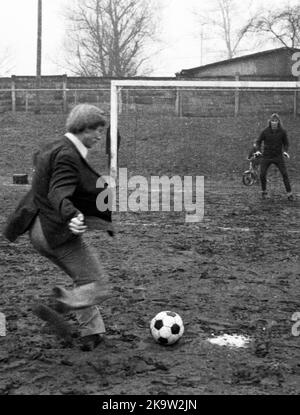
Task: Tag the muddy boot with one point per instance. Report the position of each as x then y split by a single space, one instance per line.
290 197
57 306
55 321
89 343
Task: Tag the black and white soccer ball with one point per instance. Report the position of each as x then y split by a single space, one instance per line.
167 327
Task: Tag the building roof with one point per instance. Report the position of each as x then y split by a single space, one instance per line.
236 59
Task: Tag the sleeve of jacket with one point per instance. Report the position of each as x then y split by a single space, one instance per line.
285 141
259 141
63 183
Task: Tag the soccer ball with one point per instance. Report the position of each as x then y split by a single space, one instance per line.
166 327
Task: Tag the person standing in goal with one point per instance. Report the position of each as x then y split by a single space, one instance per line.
275 149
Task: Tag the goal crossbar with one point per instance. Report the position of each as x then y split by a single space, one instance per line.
116 84
210 84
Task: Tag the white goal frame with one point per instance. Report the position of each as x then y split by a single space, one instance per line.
238 85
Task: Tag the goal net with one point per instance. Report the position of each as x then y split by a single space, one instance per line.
197 128
194 127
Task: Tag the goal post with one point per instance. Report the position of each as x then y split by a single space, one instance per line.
117 85
114 130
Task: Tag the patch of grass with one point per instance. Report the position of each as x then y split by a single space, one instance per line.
151 145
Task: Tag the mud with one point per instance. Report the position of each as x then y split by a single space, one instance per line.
236 272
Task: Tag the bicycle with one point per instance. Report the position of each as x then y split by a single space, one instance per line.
251 175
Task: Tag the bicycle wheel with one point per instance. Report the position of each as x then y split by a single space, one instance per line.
248 178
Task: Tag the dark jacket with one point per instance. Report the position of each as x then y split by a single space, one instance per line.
20 220
63 185
275 142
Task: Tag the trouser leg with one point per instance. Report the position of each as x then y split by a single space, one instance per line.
90 321
282 168
265 164
81 263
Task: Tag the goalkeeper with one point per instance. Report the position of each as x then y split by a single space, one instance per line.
275 150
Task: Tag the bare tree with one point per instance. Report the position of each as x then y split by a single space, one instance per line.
108 37
225 21
282 26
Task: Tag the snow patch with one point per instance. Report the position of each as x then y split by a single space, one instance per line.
228 340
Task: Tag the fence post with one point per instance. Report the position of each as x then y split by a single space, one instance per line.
26 101
126 100
296 101
13 93
38 84
65 97
237 97
178 103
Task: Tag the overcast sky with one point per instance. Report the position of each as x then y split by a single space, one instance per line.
181 35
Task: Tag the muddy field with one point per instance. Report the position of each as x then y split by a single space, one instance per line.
236 272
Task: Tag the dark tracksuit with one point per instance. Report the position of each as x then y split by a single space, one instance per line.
275 142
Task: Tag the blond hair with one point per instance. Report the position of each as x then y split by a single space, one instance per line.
83 117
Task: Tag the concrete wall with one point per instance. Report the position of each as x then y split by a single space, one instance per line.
179 102
229 103
17 93
56 98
